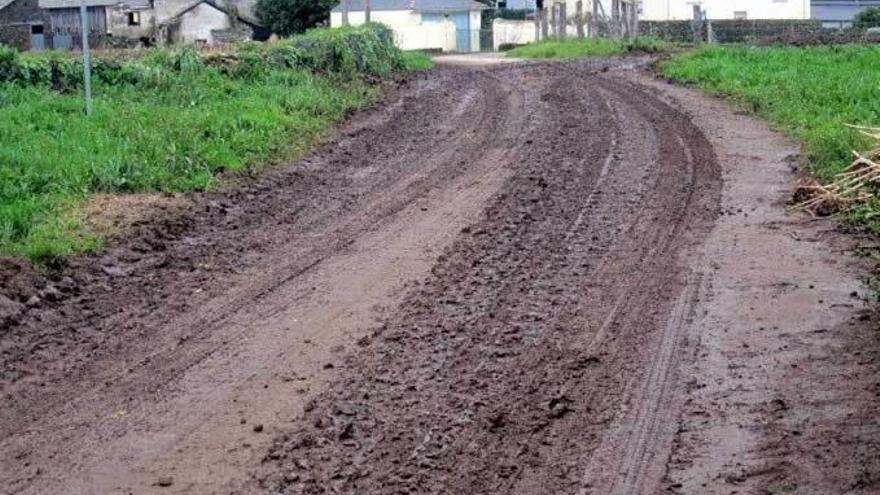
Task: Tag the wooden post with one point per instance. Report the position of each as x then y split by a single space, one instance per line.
636 28
537 24
344 14
563 21
697 25
579 18
366 11
594 20
544 23
615 19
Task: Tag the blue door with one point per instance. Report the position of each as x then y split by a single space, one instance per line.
38 39
462 22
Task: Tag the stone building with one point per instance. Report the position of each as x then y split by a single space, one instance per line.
55 24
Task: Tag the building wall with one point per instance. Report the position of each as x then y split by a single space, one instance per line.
840 14
197 24
16 35
512 32
22 11
677 10
410 31
117 24
65 23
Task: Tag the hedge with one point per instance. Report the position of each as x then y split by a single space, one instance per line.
342 53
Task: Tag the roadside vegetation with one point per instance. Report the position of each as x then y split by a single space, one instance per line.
590 47
812 93
169 120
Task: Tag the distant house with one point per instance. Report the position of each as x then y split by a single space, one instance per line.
22 24
447 25
208 22
679 10
44 24
840 13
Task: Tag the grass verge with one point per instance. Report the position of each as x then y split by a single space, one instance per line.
168 121
417 60
809 92
589 47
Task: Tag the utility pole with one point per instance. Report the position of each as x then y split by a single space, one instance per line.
366 11
87 55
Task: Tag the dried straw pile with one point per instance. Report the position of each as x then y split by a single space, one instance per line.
855 186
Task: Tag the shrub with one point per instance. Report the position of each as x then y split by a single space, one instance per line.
344 54
287 17
9 63
867 18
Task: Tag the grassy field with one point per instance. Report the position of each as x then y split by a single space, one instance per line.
590 47
811 93
168 121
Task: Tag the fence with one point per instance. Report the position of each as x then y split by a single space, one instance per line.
619 21
729 31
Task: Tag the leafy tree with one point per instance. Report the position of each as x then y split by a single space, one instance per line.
867 18
286 17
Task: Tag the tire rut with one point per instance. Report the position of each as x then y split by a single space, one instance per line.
499 375
351 190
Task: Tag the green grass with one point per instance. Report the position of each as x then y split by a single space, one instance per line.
168 121
590 47
417 60
811 93
172 138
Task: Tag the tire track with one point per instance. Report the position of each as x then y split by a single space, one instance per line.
492 376
479 139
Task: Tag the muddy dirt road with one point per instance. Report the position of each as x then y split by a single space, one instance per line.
532 279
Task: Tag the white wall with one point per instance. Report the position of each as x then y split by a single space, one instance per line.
668 10
198 23
410 33
514 32
475 20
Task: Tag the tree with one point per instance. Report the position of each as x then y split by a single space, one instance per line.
867 18
286 17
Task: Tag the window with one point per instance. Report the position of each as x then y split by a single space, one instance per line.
134 18
37 29
741 15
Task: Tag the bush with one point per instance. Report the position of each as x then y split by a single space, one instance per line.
344 54
287 17
9 63
867 18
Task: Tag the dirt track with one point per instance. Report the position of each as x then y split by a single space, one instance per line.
518 279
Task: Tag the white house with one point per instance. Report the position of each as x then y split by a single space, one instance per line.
680 10
447 25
